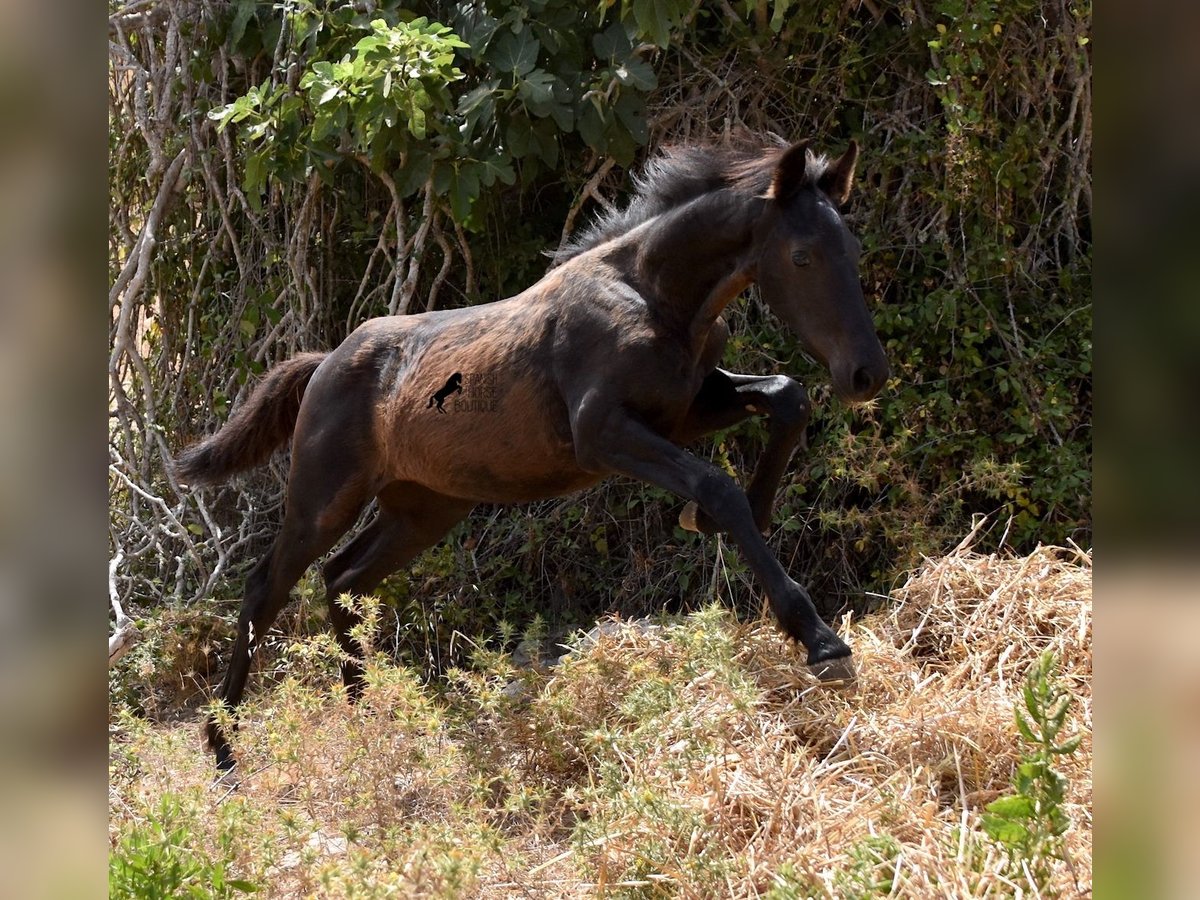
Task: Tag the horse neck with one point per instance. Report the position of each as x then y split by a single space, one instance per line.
692 261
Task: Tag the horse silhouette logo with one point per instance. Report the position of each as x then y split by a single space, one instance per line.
453 385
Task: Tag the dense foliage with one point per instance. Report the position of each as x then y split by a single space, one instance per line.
280 172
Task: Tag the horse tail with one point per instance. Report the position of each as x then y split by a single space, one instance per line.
261 425
431 399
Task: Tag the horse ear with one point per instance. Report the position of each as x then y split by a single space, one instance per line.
839 177
789 171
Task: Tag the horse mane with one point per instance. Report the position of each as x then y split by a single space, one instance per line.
678 174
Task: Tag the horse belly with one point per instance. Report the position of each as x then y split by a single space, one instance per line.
490 442
480 461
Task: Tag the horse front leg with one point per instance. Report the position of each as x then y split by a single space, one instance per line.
726 398
609 440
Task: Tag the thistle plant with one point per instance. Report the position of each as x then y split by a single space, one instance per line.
1030 822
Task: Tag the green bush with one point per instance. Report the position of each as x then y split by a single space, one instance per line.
160 859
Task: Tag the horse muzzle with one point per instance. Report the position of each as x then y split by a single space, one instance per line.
860 381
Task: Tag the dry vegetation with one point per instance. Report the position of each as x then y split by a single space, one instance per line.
696 759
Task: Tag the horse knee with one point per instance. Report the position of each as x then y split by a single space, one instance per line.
719 496
790 406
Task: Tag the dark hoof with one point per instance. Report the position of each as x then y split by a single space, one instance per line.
834 671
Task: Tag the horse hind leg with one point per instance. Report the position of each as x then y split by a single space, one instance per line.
350 571
410 520
312 525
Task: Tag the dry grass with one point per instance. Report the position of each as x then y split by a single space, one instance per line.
695 760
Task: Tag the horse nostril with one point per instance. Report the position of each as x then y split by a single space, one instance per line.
863 380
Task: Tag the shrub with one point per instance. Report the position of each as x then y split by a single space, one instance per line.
161 857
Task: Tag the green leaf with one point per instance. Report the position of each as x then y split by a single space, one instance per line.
631 111
519 137
613 43
1013 806
1070 745
1055 785
241 18
1059 822
448 38
654 19
537 89
222 115
477 27
254 178
478 96
547 141
563 116
1024 727
591 127
621 146
636 73
1005 831
514 53
442 176
1027 776
778 14
371 42
416 120
1031 702
497 168
1058 713
464 188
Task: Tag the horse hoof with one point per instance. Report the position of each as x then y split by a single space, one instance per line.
227 780
688 516
834 671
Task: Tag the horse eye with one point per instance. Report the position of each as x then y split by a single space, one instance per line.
801 257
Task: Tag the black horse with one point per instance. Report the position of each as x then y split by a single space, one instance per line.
453 385
608 365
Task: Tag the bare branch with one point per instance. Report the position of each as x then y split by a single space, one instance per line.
418 253
122 641
137 267
588 193
127 632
